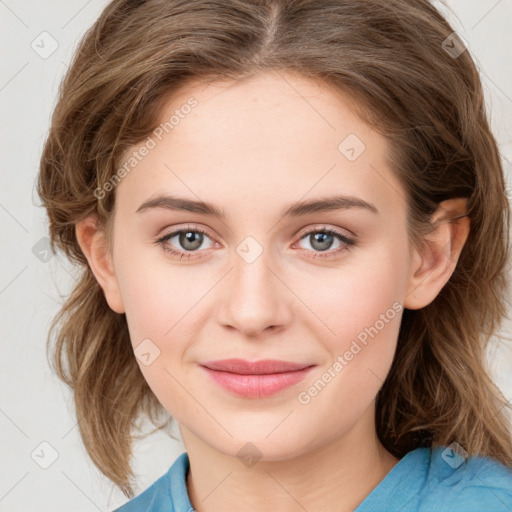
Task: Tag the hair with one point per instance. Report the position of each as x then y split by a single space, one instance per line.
388 58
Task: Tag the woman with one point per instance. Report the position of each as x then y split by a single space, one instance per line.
292 224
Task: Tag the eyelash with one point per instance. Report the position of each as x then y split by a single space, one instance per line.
348 241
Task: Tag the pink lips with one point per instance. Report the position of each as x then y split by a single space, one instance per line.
255 379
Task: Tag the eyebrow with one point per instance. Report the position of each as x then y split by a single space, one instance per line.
323 204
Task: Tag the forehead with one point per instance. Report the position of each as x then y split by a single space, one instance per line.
279 106
269 137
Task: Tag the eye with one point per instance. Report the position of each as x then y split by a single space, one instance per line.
189 238
322 239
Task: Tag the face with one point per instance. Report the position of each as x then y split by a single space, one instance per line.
320 287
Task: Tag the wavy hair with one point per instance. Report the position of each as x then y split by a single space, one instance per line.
391 59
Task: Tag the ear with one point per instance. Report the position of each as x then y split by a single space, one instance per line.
93 244
433 264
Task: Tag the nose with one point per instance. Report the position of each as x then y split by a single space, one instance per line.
257 298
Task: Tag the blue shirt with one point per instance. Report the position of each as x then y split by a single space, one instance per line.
424 480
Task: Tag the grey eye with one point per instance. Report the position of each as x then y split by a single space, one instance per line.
321 241
190 240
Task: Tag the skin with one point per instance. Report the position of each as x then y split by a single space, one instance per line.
253 147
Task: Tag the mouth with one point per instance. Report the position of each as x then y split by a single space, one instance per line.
264 367
257 379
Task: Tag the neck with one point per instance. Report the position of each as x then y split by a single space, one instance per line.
338 475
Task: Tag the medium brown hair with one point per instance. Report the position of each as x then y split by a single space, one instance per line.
390 58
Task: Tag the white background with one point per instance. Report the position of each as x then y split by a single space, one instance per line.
35 406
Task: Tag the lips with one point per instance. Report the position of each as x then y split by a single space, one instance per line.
264 367
257 379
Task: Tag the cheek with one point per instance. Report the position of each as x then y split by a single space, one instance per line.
159 312
360 309
365 311
156 294
354 298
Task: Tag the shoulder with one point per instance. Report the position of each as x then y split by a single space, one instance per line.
161 495
456 482
442 479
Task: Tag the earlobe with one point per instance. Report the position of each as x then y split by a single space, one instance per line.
432 265
92 242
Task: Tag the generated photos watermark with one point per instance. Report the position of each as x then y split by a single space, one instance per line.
151 142
342 360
